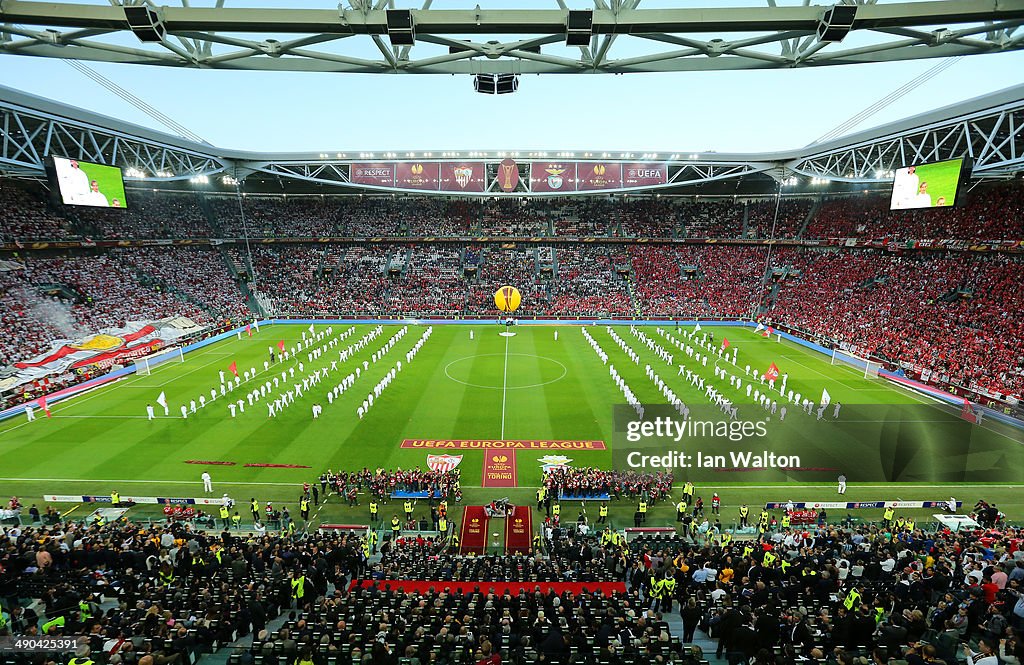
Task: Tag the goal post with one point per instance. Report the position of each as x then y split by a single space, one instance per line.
869 368
145 366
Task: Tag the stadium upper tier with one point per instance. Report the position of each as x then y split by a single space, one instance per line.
993 213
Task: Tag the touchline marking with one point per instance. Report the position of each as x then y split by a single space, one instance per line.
504 390
889 486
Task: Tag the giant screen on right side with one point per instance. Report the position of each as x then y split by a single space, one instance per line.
926 185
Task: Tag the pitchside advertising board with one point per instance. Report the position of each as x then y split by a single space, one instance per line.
548 177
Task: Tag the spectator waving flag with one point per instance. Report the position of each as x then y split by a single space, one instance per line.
42 405
772 373
233 367
725 343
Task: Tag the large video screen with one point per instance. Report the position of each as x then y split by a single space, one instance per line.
926 185
86 184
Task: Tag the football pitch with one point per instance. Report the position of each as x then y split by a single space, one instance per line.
470 391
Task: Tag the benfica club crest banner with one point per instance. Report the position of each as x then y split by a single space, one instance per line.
443 463
416 175
553 176
598 176
463 176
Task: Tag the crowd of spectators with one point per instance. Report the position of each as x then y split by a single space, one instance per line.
585 284
148 216
947 314
25 214
161 594
575 482
381 483
571 558
990 213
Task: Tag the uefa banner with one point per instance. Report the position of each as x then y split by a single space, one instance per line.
597 176
644 174
463 176
378 174
417 175
553 176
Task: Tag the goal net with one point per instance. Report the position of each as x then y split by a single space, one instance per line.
869 368
145 366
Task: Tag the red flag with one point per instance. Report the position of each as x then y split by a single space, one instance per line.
248 329
233 367
280 346
767 332
42 405
725 343
968 413
773 372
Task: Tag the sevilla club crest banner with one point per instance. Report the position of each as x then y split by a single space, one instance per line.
380 174
416 175
443 463
644 174
598 176
553 176
462 176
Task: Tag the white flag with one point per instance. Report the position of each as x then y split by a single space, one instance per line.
162 399
697 328
311 329
825 397
759 328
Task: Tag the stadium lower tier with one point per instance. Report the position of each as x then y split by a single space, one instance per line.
949 318
141 595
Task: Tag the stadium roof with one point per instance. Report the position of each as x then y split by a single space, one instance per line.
613 36
987 129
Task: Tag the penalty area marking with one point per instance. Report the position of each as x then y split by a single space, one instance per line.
565 371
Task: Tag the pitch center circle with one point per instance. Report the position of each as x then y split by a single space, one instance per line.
509 386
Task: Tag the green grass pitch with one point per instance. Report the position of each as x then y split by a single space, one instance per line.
529 386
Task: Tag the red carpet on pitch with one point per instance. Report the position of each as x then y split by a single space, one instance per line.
473 537
519 530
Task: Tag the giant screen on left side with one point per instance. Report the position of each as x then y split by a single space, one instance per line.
87 184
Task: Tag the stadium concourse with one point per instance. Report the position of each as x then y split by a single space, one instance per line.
936 297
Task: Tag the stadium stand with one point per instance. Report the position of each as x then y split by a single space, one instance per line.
170 592
939 315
